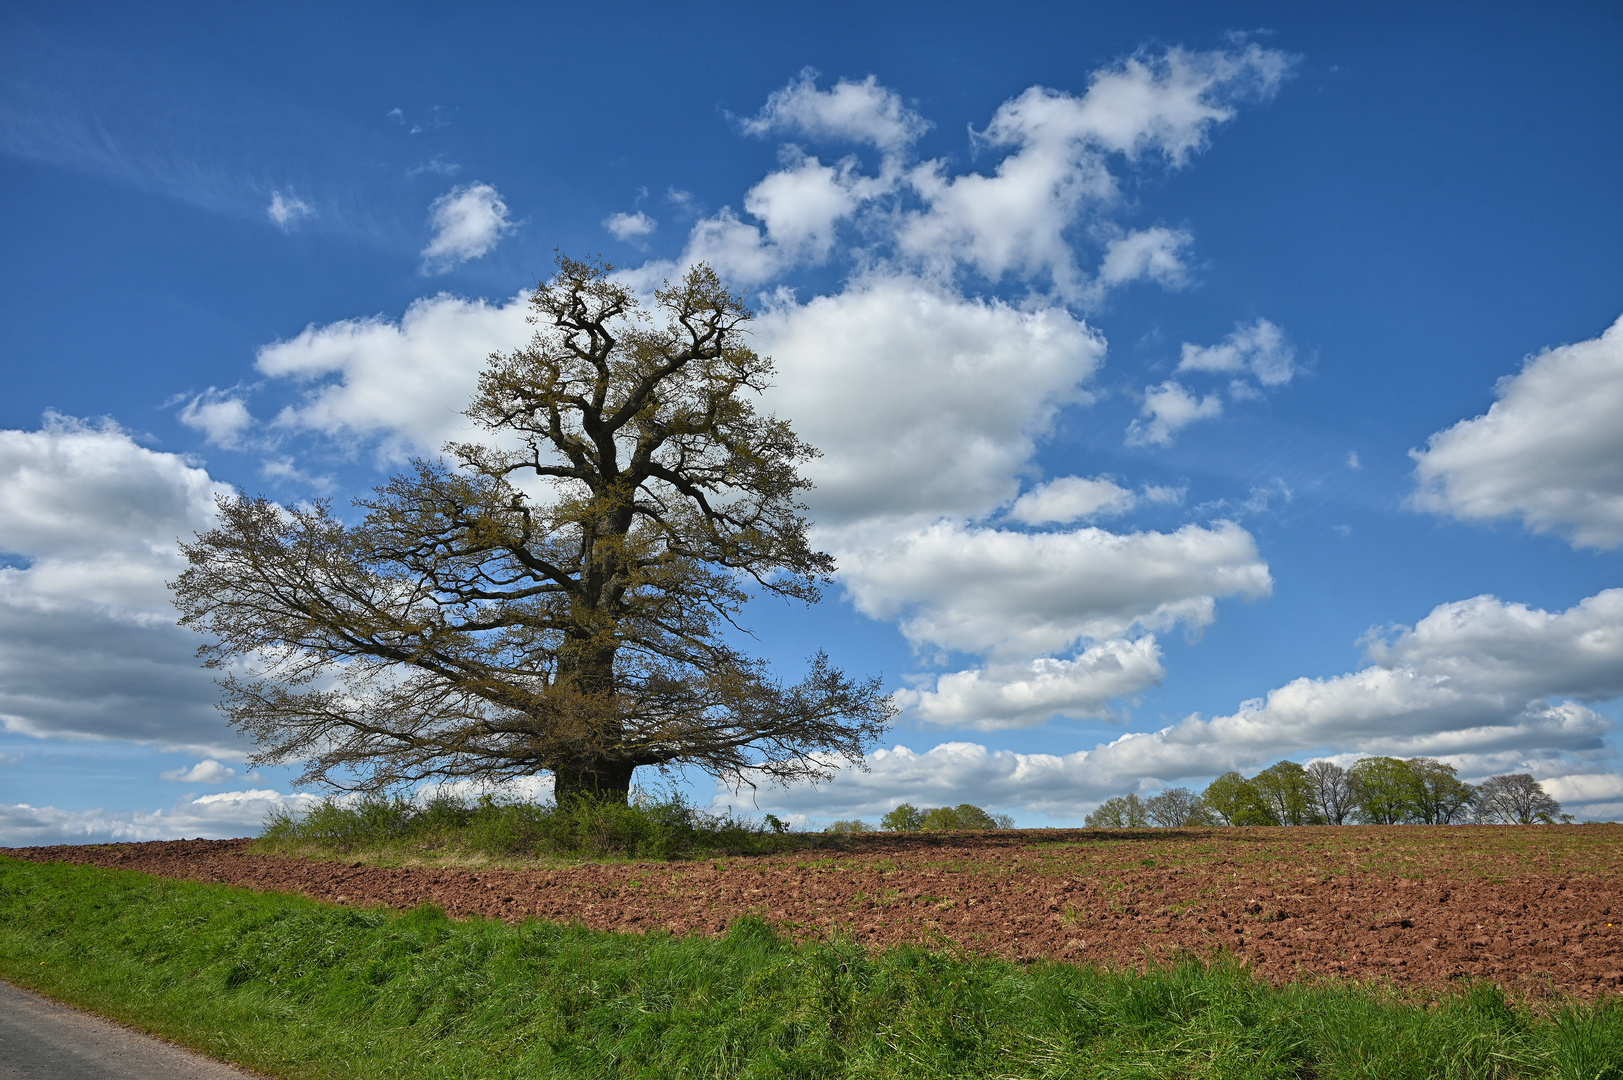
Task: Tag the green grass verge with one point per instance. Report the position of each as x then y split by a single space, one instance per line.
301 989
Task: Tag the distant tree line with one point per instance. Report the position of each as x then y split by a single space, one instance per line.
909 818
1373 791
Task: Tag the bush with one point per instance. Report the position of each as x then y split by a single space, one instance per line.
646 828
905 818
848 827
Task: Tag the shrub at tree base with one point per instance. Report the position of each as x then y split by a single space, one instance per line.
644 828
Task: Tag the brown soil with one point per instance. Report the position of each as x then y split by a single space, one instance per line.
1534 909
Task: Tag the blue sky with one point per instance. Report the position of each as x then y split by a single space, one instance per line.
1151 348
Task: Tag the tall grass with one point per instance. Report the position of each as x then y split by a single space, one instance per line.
645 829
300 989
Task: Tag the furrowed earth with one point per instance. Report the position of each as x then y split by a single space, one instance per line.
1535 909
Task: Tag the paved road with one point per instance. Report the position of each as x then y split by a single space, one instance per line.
42 1040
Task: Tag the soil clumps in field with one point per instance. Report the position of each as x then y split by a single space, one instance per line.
1534 909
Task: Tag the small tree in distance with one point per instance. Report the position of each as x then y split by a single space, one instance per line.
1516 799
1177 808
1330 791
1385 790
1236 801
1287 791
553 599
1440 796
962 816
1121 812
905 818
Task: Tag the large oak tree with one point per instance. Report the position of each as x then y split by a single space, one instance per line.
555 596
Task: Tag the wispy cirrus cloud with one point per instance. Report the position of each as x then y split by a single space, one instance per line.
287 210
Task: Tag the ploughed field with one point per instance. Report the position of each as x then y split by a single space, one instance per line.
1535 908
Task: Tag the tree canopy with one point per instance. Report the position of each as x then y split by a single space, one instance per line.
1236 801
1384 789
1330 791
1177 808
1287 791
1516 799
554 596
1122 812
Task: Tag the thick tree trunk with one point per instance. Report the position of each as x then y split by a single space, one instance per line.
598 779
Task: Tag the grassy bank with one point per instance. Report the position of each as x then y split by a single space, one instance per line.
300 989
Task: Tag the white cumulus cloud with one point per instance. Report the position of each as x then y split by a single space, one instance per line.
1487 685
468 221
1030 693
799 206
923 401
218 816
1483 678
630 226
1549 451
221 416
1260 349
1155 254
207 771
986 590
88 645
402 385
1072 498
1015 220
862 112
1167 409
1052 180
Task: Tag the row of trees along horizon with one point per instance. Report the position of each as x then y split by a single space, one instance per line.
1372 791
